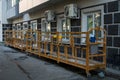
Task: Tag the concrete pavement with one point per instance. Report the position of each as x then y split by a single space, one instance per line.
14 65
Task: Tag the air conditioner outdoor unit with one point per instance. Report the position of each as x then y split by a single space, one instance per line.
71 11
50 15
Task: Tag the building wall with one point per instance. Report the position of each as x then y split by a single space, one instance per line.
86 3
16 20
3 18
111 23
4 13
60 6
4 24
0 20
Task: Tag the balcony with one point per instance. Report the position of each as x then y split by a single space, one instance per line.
26 5
13 12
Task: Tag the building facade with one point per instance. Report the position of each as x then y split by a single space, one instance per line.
8 9
71 16
0 20
3 19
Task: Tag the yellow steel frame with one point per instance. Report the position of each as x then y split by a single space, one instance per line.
47 44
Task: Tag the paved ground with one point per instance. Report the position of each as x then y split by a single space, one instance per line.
14 65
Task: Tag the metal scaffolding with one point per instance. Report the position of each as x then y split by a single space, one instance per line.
83 53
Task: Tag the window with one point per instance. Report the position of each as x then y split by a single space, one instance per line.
25 28
14 2
34 26
13 27
8 4
18 31
19 27
46 27
91 18
65 28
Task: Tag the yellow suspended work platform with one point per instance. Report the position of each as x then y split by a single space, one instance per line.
76 50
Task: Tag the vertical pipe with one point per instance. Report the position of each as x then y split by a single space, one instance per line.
87 52
104 48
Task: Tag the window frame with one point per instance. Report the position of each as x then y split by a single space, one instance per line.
44 29
65 19
18 29
90 10
31 25
83 18
14 2
93 20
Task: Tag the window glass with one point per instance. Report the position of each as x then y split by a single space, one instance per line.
48 28
34 26
65 28
97 19
19 27
25 26
94 20
14 2
89 21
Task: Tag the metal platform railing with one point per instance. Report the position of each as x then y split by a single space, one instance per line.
74 48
